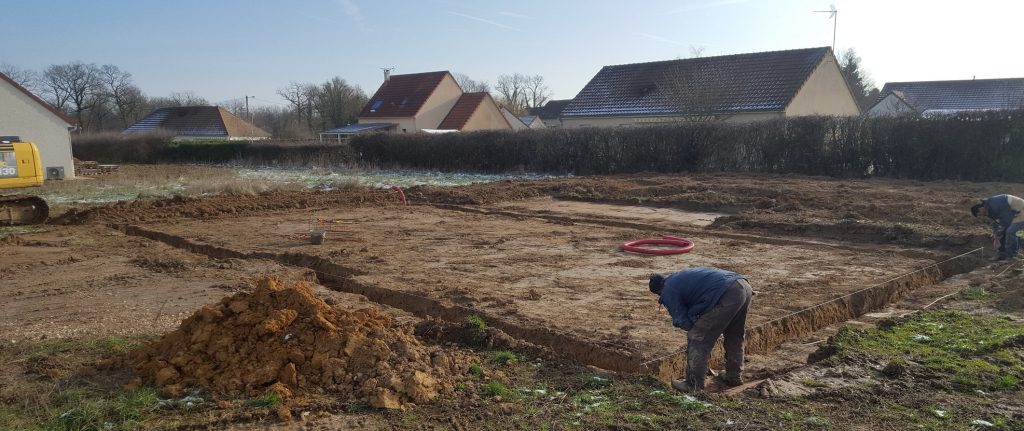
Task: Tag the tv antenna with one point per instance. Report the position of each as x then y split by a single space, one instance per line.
387 72
833 14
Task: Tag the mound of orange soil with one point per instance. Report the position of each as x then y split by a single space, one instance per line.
282 338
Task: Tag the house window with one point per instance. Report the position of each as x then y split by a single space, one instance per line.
376 105
404 101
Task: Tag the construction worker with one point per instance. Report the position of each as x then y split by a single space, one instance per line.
706 303
1007 219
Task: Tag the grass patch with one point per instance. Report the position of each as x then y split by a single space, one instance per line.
973 351
268 399
126 411
975 293
811 383
496 389
505 357
476 330
475 370
595 381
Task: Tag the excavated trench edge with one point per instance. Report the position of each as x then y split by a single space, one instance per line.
759 339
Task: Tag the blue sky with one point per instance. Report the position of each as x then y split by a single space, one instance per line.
225 49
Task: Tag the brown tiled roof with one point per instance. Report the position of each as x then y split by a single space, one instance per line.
49 107
403 95
756 82
198 122
463 109
239 127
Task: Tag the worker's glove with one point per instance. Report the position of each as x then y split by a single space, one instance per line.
995 241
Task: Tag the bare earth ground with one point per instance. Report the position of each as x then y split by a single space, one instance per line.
539 259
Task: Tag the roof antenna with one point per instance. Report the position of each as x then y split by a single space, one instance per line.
832 13
387 73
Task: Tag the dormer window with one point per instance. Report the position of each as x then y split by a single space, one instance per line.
376 105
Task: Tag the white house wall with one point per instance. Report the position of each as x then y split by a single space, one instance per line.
22 116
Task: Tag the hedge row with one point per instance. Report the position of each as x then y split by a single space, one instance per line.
978 146
121 148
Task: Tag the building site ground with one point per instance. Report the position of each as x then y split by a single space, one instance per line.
876 306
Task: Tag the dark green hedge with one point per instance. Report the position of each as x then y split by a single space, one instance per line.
978 146
121 148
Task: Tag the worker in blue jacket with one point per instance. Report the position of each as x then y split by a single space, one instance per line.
1007 220
706 303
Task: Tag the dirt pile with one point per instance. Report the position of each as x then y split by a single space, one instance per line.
283 339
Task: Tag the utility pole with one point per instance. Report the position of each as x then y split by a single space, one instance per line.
247 114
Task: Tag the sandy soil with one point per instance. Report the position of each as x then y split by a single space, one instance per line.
565 276
540 256
95 281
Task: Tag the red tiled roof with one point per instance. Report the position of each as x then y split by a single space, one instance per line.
49 107
403 95
463 109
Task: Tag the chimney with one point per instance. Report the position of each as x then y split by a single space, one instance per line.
387 73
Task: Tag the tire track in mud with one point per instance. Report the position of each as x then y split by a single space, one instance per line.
759 339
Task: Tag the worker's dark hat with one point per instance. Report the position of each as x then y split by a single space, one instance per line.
976 208
656 282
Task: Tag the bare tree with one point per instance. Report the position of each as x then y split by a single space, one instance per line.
73 87
25 77
536 91
187 98
518 93
126 98
471 85
338 103
302 97
512 92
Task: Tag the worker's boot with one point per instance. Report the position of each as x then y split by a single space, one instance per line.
732 380
683 386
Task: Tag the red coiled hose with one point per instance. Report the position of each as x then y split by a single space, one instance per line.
682 245
401 194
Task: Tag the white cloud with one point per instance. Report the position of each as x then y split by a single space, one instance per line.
515 15
351 9
483 20
709 5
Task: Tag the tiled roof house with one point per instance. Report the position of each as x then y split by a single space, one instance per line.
430 101
198 122
947 97
741 87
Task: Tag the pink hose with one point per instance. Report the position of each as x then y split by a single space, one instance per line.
401 194
682 245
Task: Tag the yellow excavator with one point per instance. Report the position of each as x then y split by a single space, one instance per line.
20 167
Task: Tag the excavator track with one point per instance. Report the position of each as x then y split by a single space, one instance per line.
19 210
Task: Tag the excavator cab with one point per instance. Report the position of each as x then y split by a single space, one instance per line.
20 166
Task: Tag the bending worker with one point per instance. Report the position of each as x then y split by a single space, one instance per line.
706 303
1005 212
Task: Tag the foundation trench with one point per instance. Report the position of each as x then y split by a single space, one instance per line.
759 339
